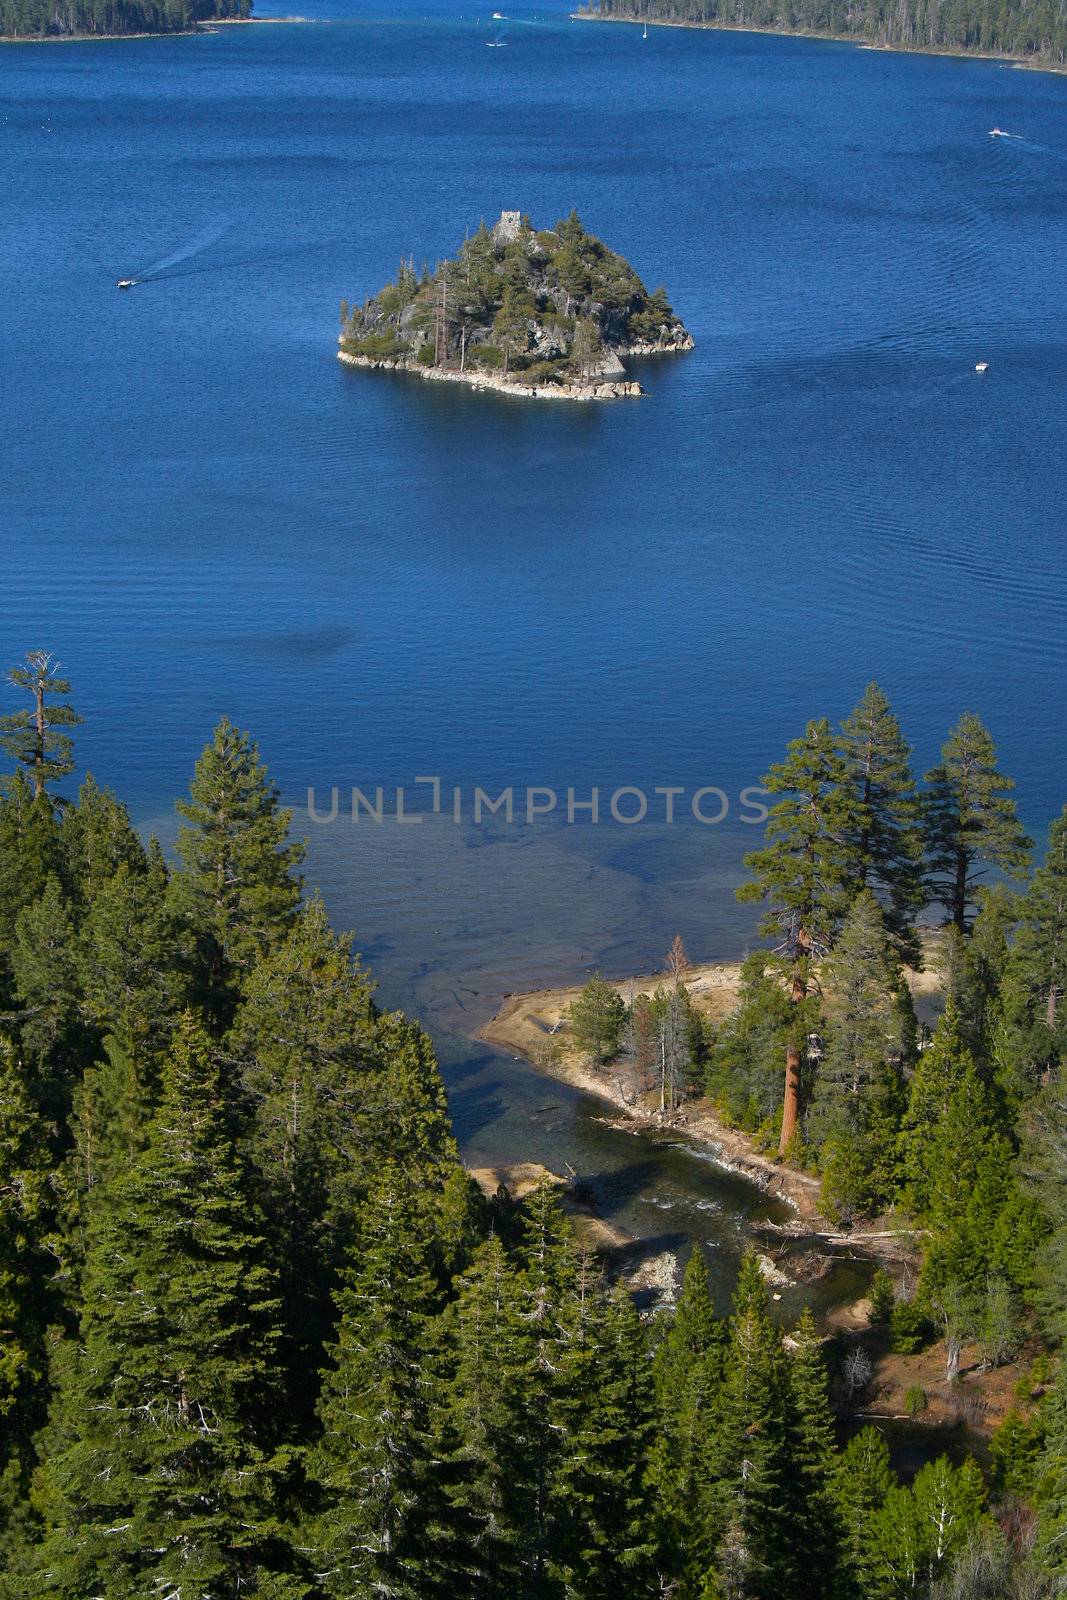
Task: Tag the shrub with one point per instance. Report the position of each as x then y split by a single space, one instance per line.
915 1400
424 355
486 355
376 346
543 372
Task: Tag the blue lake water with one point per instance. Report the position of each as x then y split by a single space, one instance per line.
203 512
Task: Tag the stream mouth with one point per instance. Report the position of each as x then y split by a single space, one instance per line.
669 1194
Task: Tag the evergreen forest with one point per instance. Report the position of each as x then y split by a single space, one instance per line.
1027 29
262 1336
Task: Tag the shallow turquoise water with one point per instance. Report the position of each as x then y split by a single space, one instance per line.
204 512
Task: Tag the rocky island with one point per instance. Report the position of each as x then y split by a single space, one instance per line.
550 314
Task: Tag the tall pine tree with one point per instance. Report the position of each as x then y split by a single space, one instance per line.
237 887
888 839
168 1474
807 873
371 1465
31 735
971 822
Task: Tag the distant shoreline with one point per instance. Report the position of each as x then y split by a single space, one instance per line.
209 25
1024 63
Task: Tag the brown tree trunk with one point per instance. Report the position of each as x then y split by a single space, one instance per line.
791 1098
1050 1009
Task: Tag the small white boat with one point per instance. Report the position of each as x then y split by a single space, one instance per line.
980 366
498 18
125 283
998 133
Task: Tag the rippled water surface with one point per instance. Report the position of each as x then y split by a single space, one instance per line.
203 512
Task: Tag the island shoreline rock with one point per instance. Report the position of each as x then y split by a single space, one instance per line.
612 390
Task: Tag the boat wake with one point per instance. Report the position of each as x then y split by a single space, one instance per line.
160 268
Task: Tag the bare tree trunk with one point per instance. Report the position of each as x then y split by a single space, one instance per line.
1050 1009
953 1346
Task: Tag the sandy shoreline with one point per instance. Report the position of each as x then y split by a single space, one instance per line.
527 1024
1024 63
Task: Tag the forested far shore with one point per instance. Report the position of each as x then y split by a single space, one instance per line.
1024 29
69 19
261 1333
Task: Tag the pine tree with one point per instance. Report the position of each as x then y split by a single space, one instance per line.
601 1415
405 1108
1039 963
807 873
488 1435
371 1463
596 1019
548 1279
815 1530
45 972
169 1479
687 1374
888 840
28 1296
750 1462
587 348
1051 1495
971 822
859 1082
97 838
130 960
30 736
29 854
237 888
864 1478
940 1069
1044 1164
301 1039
